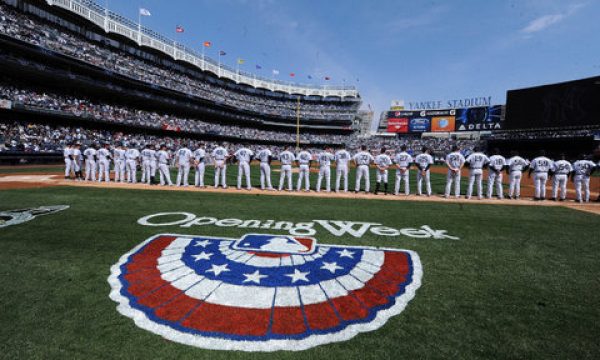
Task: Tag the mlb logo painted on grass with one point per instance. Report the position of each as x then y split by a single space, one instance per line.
261 292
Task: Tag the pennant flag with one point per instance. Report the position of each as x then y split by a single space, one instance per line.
207 44
241 61
144 12
292 74
179 29
258 67
222 53
309 76
275 72
327 78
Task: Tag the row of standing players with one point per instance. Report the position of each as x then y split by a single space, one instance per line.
126 160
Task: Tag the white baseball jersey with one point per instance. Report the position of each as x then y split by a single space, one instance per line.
477 160
148 154
455 160
286 158
342 157
363 158
243 155
220 153
383 160
89 153
199 154
403 159
541 164
67 153
583 167
497 162
132 154
325 158
304 157
424 160
76 153
264 155
103 154
562 167
517 163
162 157
184 155
119 154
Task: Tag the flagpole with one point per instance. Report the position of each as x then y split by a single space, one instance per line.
139 26
219 68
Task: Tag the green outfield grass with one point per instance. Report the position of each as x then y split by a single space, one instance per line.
522 282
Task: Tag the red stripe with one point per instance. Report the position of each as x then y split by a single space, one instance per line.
349 308
229 320
288 321
370 297
320 316
160 296
141 275
177 308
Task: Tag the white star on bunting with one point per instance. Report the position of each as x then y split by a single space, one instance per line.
218 269
298 275
332 267
346 253
202 243
255 277
202 256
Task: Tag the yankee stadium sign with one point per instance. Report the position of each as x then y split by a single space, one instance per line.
261 292
449 104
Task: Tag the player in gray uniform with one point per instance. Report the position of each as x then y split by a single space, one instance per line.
403 162
90 164
304 159
496 166
148 155
265 156
363 159
119 163
540 166
582 170
342 158
68 161
476 162
424 161
220 156
383 163
103 155
455 162
560 171
243 157
163 157
325 158
132 156
200 166
515 167
286 158
183 162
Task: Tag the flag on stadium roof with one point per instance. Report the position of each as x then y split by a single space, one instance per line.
327 78
292 74
275 72
207 44
309 76
179 29
145 12
240 61
222 53
258 67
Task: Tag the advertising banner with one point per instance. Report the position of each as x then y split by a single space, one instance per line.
479 118
397 125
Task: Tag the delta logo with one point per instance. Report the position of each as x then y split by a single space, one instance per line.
261 292
443 123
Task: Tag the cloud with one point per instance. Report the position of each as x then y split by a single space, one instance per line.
545 21
416 21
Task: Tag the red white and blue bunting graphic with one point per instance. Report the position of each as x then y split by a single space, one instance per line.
261 292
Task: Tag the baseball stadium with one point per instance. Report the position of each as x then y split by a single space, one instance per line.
166 197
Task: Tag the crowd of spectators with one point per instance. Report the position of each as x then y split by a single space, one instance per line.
543 134
29 29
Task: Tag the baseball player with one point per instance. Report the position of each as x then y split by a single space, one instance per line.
383 162
561 170
90 163
582 170
363 159
455 162
403 161
342 158
424 161
304 158
132 157
476 162
77 159
183 162
540 166
243 156
265 156
286 158
200 166
325 158
148 156
68 160
119 163
516 166
496 165
162 158
220 156
103 155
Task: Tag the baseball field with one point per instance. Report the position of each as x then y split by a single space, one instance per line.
499 279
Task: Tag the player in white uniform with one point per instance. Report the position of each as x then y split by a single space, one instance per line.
325 158
68 161
200 166
540 166
403 162
582 170
516 166
424 161
304 159
77 160
496 166
265 156
455 162
363 159
148 155
476 162
119 163
183 162
286 158
220 156
90 164
561 170
103 155
132 156
243 157
383 163
342 158
163 157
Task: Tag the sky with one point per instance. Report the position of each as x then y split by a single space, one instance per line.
392 49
